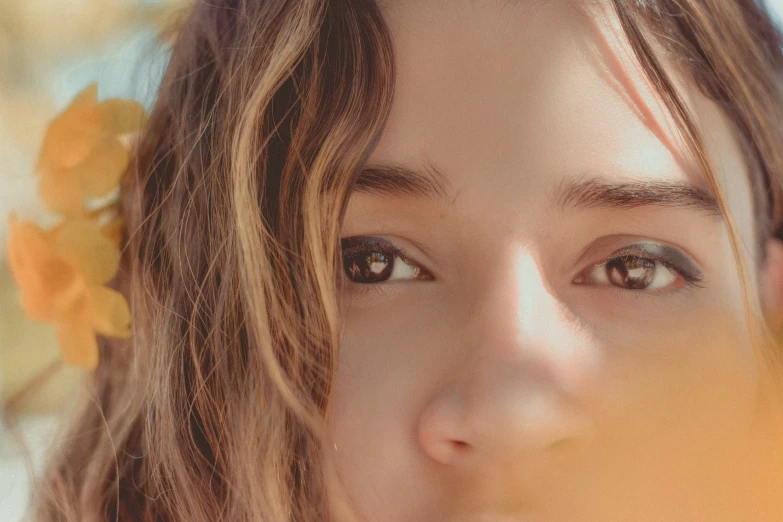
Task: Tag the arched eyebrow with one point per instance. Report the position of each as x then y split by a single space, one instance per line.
401 181
598 193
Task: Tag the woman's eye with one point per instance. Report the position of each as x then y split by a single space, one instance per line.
643 266
374 260
633 273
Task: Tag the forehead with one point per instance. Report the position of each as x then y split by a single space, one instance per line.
508 98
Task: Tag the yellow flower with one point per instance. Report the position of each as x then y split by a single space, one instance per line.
81 155
62 274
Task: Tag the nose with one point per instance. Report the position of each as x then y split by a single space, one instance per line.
522 370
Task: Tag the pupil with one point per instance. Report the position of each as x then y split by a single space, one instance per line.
632 273
368 267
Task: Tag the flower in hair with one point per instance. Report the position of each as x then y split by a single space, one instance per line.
63 272
82 155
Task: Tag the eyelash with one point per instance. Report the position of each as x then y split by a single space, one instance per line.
638 252
689 278
370 244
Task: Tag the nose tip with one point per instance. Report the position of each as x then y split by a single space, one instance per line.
493 425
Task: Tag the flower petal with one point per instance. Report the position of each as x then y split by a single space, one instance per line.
81 243
47 297
121 116
48 284
114 230
77 339
87 96
26 237
61 191
101 171
73 133
110 315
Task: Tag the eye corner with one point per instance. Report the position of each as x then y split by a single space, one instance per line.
580 279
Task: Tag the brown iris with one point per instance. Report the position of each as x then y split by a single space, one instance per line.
368 267
631 272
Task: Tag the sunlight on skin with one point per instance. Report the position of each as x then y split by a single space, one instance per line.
500 389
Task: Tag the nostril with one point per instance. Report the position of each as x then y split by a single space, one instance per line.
446 451
460 445
441 430
560 445
449 451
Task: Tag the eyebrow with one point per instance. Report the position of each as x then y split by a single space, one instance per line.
401 181
597 193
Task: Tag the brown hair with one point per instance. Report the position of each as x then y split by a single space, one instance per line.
214 410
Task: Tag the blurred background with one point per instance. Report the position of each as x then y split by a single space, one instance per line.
49 51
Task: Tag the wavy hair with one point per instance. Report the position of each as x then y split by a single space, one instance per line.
215 409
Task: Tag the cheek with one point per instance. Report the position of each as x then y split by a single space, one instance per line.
691 381
677 398
674 400
385 370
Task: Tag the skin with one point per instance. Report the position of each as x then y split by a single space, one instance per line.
517 383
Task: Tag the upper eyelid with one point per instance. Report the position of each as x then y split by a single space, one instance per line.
610 245
357 242
640 248
665 253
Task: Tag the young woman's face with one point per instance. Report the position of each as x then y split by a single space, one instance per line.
563 338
